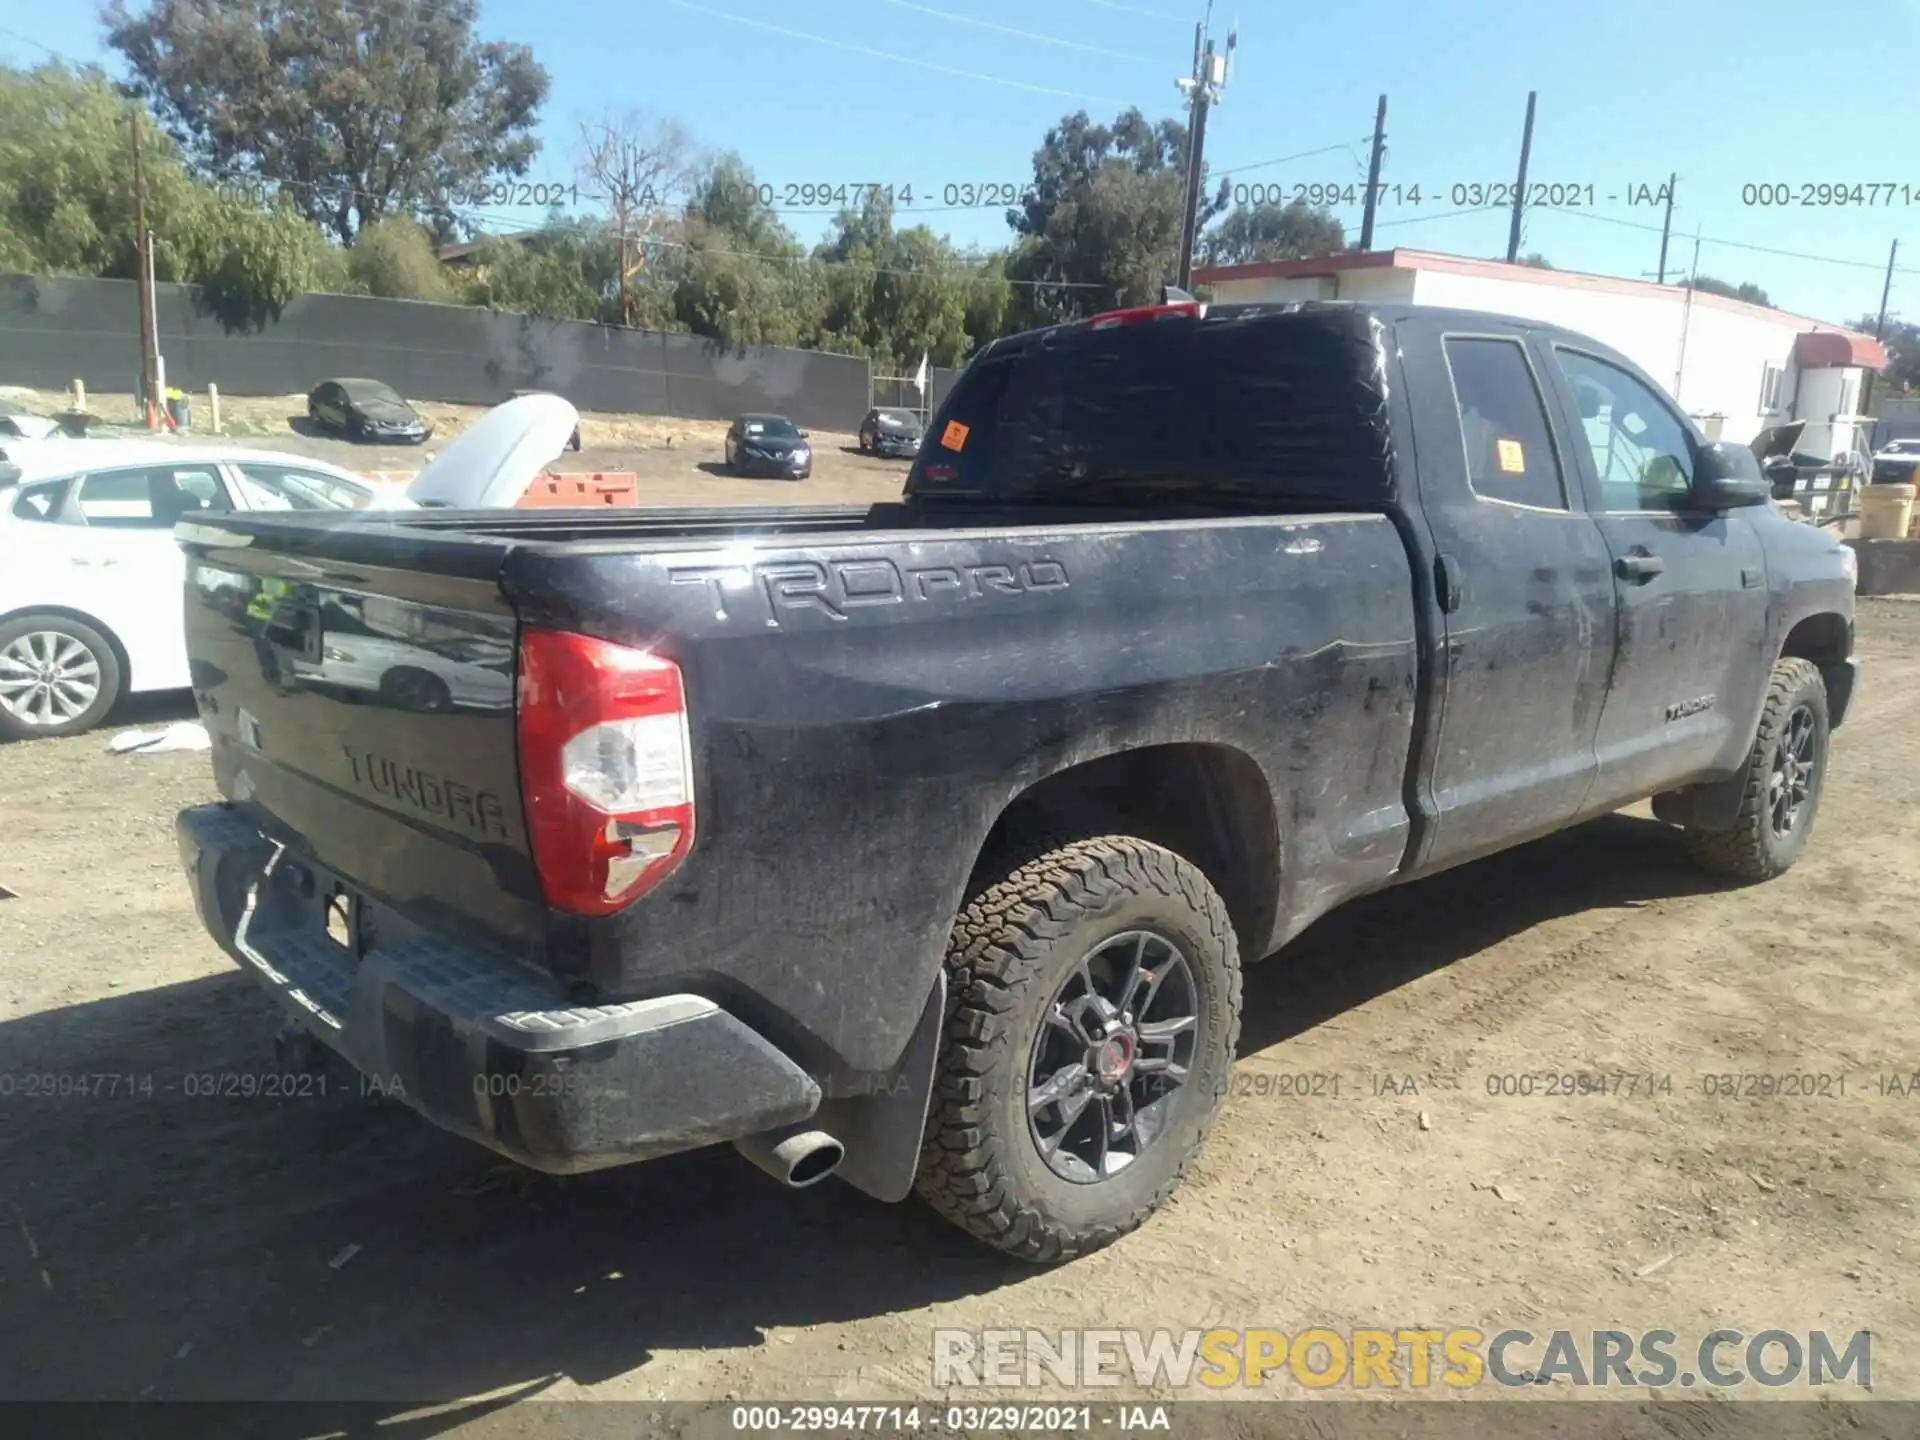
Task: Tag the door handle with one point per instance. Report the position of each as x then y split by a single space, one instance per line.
1638 568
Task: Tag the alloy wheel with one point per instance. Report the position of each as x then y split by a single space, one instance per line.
1116 1046
48 678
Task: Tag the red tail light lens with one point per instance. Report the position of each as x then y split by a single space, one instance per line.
606 770
1141 313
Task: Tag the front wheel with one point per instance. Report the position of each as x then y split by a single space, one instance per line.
1096 1004
1780 787
57 677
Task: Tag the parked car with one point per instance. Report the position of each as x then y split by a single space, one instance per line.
923 844
91 578
768 445
366 410
1896 462
19 424
893 433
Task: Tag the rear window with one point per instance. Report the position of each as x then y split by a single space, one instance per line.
1246 403
1503 422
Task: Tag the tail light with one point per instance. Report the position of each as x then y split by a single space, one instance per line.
1113 318
606 770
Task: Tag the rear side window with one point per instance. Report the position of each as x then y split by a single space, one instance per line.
275 487
40 502
150 498
1503 424
1249 403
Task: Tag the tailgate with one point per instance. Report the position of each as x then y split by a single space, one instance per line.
362 713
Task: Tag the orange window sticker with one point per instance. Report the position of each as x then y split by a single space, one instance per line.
954 437
1513 459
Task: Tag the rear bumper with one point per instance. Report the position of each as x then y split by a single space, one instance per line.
477 1043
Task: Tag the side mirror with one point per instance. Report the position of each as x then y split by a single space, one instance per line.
1782 475
1726 477
805 433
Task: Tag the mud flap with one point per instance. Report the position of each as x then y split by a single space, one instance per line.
1714 806
881 1120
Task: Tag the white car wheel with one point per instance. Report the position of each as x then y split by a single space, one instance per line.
57 677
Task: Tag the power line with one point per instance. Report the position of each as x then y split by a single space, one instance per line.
1022 34
1136 10
890 55
1346 145
1585 214
1444 215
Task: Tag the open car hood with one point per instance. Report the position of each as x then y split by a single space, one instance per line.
491 464
1777 440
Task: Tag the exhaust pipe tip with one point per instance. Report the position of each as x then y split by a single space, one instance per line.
794 1156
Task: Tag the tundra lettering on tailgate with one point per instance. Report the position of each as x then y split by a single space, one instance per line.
478 811
835 587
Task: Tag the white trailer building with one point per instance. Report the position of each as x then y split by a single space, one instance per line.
1736 368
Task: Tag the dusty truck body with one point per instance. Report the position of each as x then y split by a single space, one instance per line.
922 843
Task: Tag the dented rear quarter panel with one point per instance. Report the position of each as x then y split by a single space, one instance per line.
863 709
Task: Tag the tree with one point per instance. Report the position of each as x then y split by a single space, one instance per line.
738 274
1272 232
635 165
1750 293
356 109
1101 224
394 259
1902 342
67 202
893 295
1535 259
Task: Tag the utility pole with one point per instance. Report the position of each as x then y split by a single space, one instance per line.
1202 89
1373 174
620 221
1886 293
1666 227
1879 329
143 274
1686 317
1520 190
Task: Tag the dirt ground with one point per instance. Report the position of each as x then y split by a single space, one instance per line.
157 1243
675 461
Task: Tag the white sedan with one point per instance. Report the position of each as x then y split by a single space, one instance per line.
92 581
90 576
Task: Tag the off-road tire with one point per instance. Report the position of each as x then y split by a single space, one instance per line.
1013 944
1752 849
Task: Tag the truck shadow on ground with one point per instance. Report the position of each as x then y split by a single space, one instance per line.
1387 940
175 1233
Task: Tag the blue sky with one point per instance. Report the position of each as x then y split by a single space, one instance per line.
1727 94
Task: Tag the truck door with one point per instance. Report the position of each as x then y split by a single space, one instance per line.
1523 590
1692 587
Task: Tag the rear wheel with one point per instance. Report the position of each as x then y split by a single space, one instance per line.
1780 787
409 689
1096 1003
57 677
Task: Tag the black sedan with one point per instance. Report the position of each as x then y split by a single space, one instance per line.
768 445
894 433
366 410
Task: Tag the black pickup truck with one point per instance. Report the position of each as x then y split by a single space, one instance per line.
923 843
